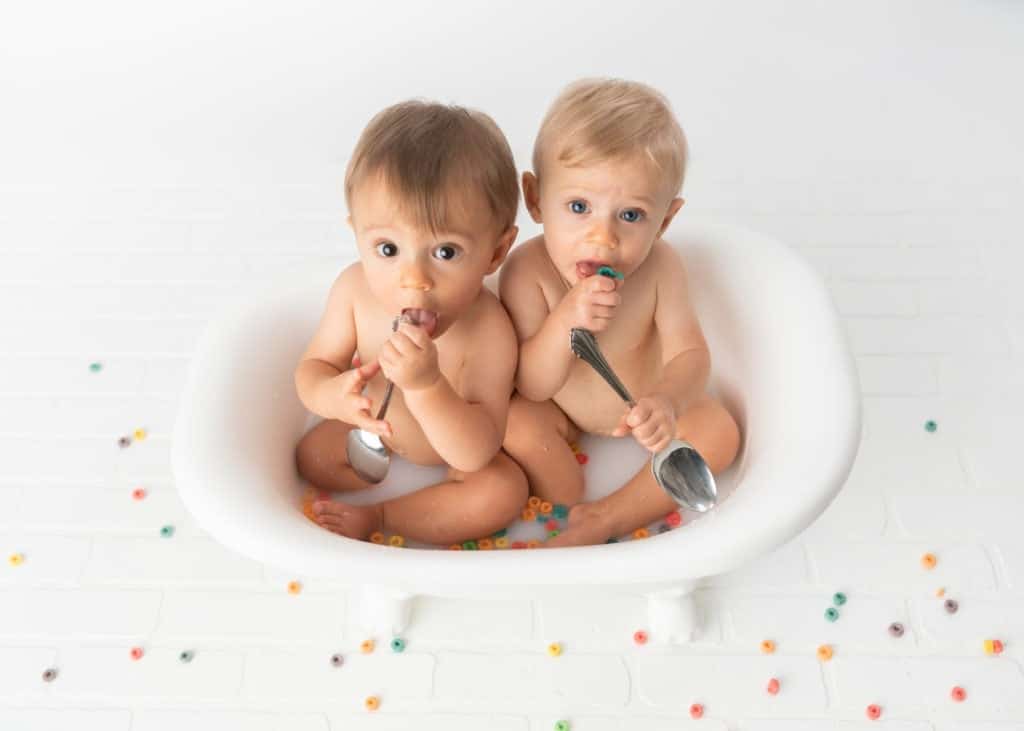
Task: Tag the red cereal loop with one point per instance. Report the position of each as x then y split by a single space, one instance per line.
773 686
696 710
958 694
640 637
874 712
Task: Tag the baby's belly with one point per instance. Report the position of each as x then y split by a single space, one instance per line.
590 402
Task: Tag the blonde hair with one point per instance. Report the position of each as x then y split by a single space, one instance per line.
611 119
430 156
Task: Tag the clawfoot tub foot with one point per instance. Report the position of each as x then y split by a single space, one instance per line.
382 609
672 614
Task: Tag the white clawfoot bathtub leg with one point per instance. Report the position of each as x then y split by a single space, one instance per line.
382 609
672 614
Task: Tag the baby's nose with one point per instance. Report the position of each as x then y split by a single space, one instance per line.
602 235
414 277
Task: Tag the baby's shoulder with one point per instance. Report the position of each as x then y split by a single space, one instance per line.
524 260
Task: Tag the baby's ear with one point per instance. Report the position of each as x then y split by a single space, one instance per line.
505 242
673 209
531 195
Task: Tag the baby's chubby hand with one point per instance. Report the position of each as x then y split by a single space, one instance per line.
590 303
652 421
342 398
409 358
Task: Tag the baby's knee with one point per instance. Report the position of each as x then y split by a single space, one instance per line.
710 427
504 488
528 423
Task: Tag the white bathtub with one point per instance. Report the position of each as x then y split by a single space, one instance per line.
780 362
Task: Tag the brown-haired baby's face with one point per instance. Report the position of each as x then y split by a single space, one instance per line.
606 214
434 276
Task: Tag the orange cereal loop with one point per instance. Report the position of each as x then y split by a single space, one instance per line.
501 542
294 587
825 652
372 703
485 544
574 447
529 515
767 647
455 547
532 544
396 541
366 646
546 508
928 561
641 533
940 592
534 502
377 537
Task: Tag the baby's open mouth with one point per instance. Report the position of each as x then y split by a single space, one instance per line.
589 267
426 319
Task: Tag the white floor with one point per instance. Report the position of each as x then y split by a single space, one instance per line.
134 195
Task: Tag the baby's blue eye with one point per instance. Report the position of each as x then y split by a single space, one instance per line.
446 252
386 248
578 207
631 215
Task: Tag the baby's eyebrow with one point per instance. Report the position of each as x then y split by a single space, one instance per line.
586 192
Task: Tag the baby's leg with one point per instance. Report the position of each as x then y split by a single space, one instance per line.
466 506
708 426
322 460
537 437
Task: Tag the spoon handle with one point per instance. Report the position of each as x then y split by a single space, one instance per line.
391 386
584 345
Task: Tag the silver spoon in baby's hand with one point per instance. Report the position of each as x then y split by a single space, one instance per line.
678 467
367 454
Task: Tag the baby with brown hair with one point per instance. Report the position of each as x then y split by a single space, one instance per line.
608 167
432 195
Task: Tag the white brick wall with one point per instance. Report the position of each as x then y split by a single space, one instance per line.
136 199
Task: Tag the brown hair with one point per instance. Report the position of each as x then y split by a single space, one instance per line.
430 156
608 119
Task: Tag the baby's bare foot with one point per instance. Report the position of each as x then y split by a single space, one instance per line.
353 521
587 526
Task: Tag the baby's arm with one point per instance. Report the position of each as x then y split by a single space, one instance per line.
685 356
467 430
325 384
545 357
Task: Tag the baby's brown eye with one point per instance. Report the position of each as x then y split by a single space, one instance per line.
446 252
386 248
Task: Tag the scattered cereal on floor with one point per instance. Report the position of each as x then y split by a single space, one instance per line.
929 560
940 592
696 711
640 637
139 434
831 614
372 703
931 426
96 367
562 725
50 674
951 606
993 647
554 649
773 686
958 694
366 646
874 711
167 531
123 442
398 645
337 660
139 493
839 598
137 653
16 559
824 652
896 629
294 587
186 656
767 647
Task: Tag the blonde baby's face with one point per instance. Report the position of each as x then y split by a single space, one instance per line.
432 277
607 214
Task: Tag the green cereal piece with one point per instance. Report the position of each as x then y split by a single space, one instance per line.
95 367
470 545
609 272
831 614
930 426
839 598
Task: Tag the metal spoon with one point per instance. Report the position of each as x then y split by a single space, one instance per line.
678 468
367 454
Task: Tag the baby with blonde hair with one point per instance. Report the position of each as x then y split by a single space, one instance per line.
608 167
